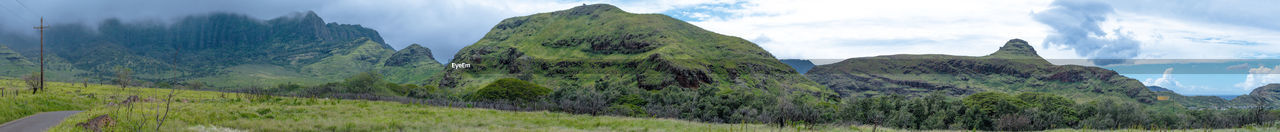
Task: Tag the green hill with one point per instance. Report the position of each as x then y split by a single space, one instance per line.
13 64
1014 68
603 46
225 50
1190 101
1265 95
801 66
412 64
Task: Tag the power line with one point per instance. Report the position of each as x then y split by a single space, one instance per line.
23 16
20 15
24 6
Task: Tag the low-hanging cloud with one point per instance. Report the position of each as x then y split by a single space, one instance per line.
444 26
1076 26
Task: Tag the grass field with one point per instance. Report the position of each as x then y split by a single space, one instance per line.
217 111
205 110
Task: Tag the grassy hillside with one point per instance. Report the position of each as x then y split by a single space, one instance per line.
412 65
13 64
216 111
601 45
1014 68
204 110
801 66
1268 95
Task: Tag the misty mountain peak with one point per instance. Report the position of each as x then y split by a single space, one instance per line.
310 18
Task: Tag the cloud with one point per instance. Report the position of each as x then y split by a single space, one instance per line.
1239 67
841 29
1077 27
1259 77
1249 13
1166 80
444 26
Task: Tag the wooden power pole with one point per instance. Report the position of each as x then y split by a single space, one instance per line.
41 28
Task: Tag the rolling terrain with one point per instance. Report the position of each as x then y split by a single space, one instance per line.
216 111
603 46
1014 68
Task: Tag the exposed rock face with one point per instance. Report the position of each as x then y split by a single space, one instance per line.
1014 68
601 45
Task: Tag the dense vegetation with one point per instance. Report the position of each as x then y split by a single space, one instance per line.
511 89
981 111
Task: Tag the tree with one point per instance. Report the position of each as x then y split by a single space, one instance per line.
1049 110
33 82
992 105
364 82
511 89
122 76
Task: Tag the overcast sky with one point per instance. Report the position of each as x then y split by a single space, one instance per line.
1087 31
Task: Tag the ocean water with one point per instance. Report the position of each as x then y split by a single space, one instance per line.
1228 97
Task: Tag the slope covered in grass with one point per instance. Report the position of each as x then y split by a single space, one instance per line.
205 110
1014 68
602 45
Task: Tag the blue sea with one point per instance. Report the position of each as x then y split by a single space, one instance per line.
1228 97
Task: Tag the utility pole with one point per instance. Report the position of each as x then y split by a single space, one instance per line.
41 28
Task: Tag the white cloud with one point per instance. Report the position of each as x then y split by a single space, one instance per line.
838 29
814 29
1166 80
1259 77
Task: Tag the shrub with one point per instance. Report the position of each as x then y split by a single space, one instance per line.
511 89
991 106
364 82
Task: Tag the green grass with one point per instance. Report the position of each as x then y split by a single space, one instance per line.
21 103
256 75
604 45
204 110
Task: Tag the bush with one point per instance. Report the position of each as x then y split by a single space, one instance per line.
511 89
364 82
992 105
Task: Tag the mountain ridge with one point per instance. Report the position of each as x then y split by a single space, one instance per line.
601 45
1013 68
224 50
